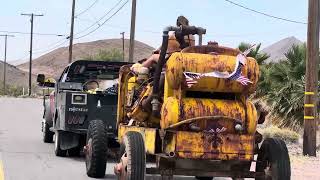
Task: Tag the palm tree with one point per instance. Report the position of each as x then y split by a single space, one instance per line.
281 84
255 53
286 87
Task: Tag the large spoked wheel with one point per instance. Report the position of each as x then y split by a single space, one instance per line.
273 158
57 142
96 149
132 165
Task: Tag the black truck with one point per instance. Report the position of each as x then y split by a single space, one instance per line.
85 91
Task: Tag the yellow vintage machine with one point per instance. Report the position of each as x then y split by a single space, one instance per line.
192 112
195 116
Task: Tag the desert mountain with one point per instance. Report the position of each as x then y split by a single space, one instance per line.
18 62
55 61
15 77
278 49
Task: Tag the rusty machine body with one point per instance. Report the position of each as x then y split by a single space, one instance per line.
192 112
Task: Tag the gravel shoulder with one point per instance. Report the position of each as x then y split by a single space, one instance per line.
304 167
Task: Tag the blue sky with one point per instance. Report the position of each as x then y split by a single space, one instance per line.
225 23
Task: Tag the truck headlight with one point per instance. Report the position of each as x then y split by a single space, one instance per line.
79 99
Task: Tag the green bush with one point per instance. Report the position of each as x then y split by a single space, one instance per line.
15 91
284 134
106 55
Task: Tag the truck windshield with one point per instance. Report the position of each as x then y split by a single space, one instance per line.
103 72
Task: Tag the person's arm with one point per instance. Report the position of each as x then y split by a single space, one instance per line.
151 60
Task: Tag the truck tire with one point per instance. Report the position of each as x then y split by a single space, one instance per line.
134 157
96 149
47 134
274 156
58 151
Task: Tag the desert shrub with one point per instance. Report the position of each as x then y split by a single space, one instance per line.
11 90
15 90
106 55
281 133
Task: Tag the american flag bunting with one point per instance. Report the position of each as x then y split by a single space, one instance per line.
192 78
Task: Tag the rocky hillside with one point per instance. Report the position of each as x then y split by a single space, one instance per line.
54 62
15 77
278 49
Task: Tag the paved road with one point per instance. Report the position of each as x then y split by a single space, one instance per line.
24 156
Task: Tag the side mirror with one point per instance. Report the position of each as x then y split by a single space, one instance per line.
40 79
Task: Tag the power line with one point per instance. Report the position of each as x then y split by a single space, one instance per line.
104 21
50 46
97 22
28 33
123 27
85 19
23 57
84 11
265 14
44 50
159 32
53 48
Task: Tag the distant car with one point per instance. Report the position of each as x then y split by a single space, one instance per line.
85 91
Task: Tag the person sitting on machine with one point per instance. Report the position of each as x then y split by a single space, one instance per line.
173 45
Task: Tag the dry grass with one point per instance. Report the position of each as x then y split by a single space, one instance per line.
285 134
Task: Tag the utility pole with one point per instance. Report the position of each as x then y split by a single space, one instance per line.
71 31
122 45
311 91
5 61
132 31
32 15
